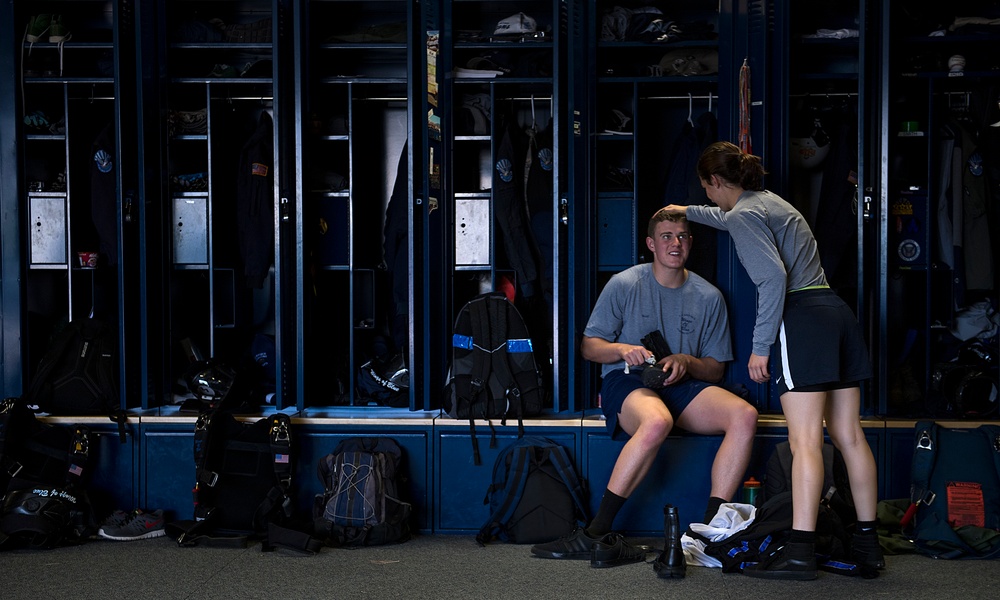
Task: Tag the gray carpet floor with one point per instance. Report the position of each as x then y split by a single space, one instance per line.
433 566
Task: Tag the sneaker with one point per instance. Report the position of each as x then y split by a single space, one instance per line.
38 27
58 32
614 550
136 525
780 566
866 551
116 519
575 546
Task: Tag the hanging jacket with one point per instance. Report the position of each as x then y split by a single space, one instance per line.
255 202
104 192
509 208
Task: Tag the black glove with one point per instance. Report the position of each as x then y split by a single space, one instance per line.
654 342
653 376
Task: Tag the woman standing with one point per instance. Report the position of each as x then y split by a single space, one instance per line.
821 353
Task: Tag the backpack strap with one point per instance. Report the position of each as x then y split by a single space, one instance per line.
517 477
279 536
279 495
191 532
479 396
10 409
558 456
204 477
920 470
501 365
79 456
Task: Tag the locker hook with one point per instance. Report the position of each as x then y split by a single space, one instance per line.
690 108
710 102
533 121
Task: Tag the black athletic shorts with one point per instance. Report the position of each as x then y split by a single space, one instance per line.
820 345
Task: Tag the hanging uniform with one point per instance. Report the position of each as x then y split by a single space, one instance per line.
539 162
255 202
104 192
395 235
510 211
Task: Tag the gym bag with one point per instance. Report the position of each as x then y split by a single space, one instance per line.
362 503
494 374
955 491
770 530
535 496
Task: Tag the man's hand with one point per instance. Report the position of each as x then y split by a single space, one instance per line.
676 367
634 355
676 209
757 368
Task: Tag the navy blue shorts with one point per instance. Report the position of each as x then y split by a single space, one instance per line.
618 385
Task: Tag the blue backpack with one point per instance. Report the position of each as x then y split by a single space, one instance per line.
536 495
362 503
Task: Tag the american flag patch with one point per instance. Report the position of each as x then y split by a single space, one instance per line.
281 458
76 469
258 169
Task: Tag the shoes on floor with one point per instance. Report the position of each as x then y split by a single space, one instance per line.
575 546
613 550
866 551
136 525
781 566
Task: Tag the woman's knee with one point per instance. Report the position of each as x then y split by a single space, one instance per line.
846 436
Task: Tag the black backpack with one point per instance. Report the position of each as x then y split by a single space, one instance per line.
78 374
494 374
362 503
955 491
536 495
836 485
44 470
243 481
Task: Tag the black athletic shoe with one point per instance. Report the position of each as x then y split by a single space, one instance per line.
573 546
780 566
613 550
866 551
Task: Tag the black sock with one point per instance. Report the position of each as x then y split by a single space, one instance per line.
611 503
802 544
865 526
714 502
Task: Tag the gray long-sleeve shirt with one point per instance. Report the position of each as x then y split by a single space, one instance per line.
777 249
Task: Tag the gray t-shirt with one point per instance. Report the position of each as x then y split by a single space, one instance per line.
692 318
777 249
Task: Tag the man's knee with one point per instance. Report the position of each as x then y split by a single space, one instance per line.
654 429
742 420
